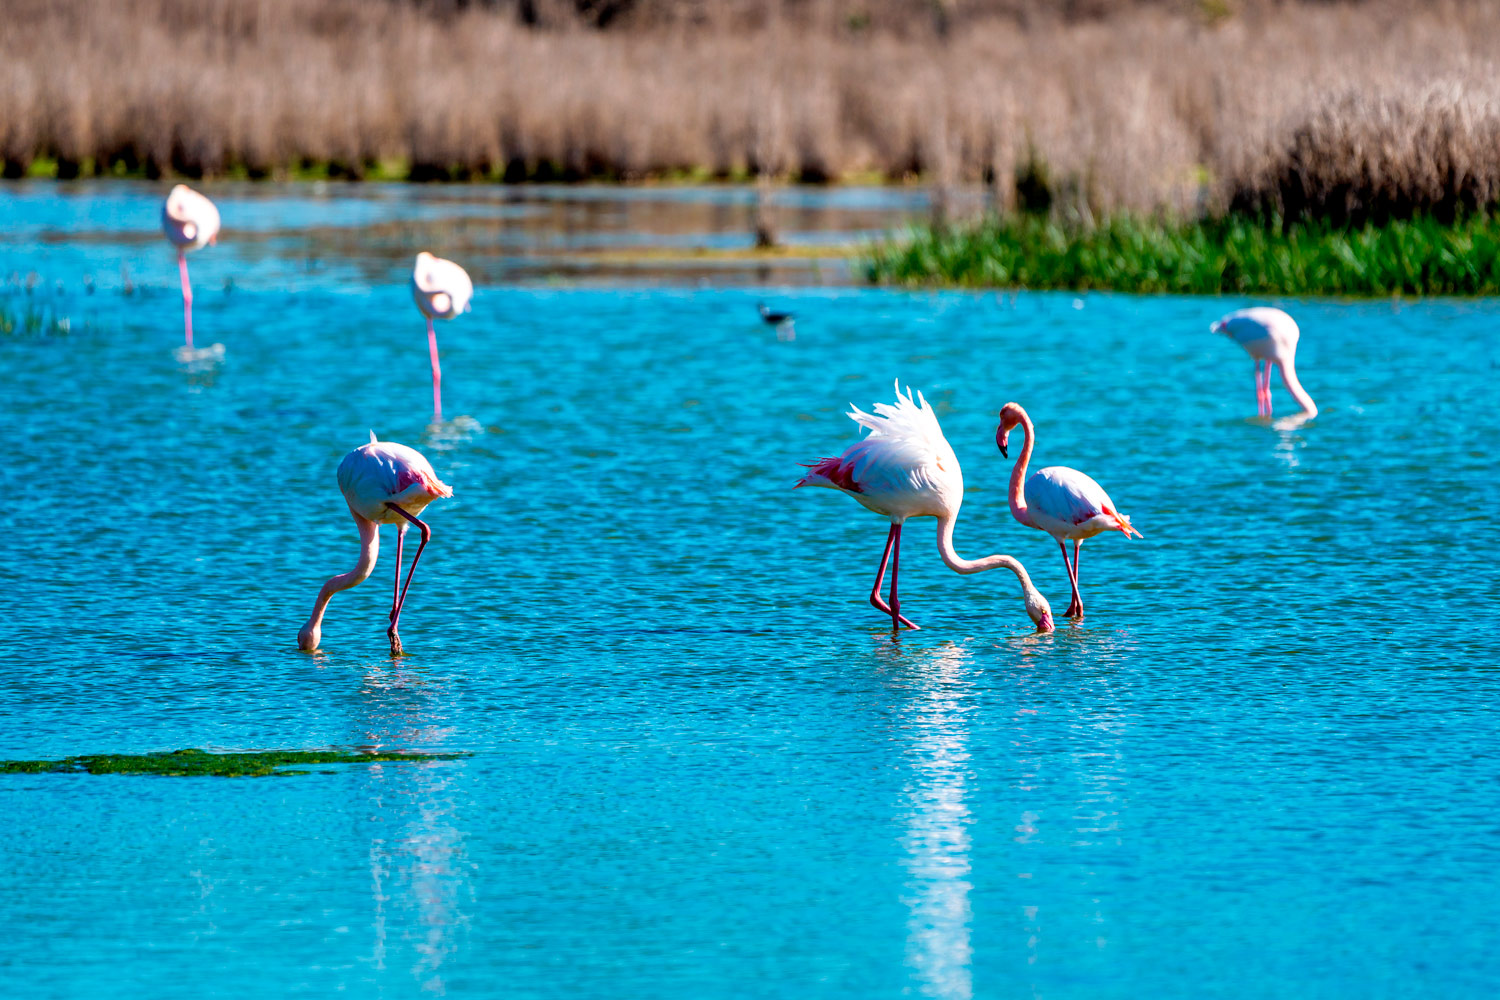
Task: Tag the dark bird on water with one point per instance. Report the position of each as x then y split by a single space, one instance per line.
773 318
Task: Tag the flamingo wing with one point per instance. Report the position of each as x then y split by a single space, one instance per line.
1069 498
904 465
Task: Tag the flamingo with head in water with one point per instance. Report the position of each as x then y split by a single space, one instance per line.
441 290
191 222
905 468
1063 502
383 483
1270 337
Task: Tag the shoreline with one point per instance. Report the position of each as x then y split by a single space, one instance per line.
1236 255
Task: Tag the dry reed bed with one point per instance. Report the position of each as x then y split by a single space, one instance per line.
1316 107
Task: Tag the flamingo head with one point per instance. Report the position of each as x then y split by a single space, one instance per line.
1011 414
309 637
1039 610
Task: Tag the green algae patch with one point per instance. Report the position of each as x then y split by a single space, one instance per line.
200 763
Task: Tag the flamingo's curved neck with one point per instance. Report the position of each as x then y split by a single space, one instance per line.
369 549
1018 474
1289 379
959 564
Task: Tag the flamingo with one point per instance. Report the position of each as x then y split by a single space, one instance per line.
190 221
1063 502
1268 335
441 290
383 483
905 468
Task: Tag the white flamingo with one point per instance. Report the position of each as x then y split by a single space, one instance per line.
1063 502
191 222
905 468
383 483
441 290
1268 335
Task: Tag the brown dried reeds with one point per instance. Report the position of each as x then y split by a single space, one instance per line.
1351 110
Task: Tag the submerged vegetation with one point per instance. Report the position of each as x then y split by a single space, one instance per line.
1232 255
200 763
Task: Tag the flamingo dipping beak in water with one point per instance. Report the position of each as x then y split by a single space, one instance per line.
1270 337
905 468
383 483
441 290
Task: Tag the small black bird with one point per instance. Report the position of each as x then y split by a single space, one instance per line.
773 318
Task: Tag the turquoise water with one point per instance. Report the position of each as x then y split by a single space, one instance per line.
1263 765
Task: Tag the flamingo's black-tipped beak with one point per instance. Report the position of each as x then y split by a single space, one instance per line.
1001 440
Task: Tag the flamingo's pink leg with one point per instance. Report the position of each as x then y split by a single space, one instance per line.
187 297
1077 593
1268 388
437 374
875 598
895 576
396 590
1075 606
401 598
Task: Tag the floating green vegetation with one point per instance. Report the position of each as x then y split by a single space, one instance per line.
1233 255
32 321
200 763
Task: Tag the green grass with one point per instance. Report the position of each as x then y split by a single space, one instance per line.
201 763
1234 255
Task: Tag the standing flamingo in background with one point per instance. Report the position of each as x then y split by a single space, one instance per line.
1268 335
905 468
383 483
442 290
190 221
1063 502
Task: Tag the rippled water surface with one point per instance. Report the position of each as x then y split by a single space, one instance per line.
1265 764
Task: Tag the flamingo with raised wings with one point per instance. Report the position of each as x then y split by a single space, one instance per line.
1269 336
1063 502
905 468
442 290
191 222
383 483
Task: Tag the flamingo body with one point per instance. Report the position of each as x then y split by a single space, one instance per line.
904 468
1063 502
1270 337
383 483
1066 503
440 288
189 219
384 472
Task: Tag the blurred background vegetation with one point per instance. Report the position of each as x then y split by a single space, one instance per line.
1346 112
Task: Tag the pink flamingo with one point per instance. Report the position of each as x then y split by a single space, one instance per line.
441 290
1063 502
383 483
190 221
1268 335
905 468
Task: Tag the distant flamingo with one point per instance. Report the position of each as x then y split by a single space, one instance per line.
190 221
905 468
383 483
1268 335
442 290
1063 502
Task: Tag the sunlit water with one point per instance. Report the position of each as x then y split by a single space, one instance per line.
1265 764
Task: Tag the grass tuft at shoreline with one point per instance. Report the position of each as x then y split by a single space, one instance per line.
1234 255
